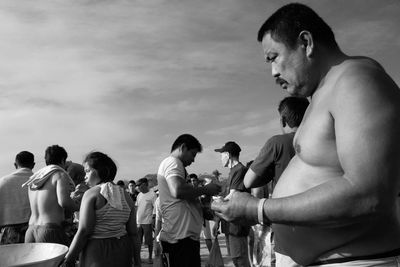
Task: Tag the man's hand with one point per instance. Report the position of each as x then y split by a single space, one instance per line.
241 208
211 189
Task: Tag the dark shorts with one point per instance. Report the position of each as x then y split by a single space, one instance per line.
12 234
106 252
47 233
146 230
182 254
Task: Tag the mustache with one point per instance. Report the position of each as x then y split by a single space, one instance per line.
280 81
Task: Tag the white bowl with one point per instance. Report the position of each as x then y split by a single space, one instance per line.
32 255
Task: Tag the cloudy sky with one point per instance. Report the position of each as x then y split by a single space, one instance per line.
127 77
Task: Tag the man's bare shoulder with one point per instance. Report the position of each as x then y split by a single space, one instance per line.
364 79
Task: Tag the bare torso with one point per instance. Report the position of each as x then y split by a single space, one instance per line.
44 203
318 162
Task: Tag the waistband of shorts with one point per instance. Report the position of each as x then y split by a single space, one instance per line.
47 225
387 254
15 225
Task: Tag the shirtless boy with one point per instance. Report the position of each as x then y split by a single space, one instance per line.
336 203
49 195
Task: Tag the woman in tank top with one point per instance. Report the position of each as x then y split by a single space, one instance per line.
107 233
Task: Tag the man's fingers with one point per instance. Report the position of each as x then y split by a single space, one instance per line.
216 205
219 214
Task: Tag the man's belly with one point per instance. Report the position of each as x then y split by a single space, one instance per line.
309 244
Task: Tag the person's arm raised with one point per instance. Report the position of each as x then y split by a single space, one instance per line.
180 189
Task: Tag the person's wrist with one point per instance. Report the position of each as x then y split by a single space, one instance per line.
260 211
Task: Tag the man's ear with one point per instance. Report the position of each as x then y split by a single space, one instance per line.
182 147
283 122
306 41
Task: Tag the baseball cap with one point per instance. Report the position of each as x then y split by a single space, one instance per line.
230 147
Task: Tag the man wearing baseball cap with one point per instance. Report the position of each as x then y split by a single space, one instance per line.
237 233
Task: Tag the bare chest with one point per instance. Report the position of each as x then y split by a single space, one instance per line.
315 140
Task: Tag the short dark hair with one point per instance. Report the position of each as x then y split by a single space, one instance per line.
121 183
103 164
25 159
193 176
292 110
189 141
143 181
55 154
288 21
132 182
76 172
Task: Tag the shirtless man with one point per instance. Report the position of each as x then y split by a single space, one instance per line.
49 195
336 202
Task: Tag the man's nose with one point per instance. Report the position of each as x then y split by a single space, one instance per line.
274 71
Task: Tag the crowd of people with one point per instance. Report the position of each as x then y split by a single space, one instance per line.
322 193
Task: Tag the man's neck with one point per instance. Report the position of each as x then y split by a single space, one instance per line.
329 59
232 163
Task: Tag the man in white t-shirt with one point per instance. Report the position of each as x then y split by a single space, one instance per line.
145 205
180 206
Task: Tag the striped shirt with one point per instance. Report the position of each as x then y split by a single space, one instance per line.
111 222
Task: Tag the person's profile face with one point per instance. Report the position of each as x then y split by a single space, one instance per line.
289 66
194 182
224 159
131 188
91 176
188 155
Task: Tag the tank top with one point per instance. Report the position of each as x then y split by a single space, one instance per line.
111 222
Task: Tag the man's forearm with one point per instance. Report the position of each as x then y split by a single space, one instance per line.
325 205
188 192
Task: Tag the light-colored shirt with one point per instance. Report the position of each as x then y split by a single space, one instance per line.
14 201
145 206
180 218
111 221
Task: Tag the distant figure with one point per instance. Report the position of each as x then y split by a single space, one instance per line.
205 229
107 229
14 202
237 233
132 190
145 206
121 184
180 207
49 197
77 174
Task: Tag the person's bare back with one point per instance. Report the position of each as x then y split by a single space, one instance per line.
48 202
345 171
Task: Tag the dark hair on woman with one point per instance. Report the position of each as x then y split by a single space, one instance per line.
189 141
289 21
103 164
55 154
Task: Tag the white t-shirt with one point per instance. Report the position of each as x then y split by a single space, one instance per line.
145 206
180 218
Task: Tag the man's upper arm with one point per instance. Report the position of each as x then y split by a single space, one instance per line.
175 177
262 169
63 192
367 130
